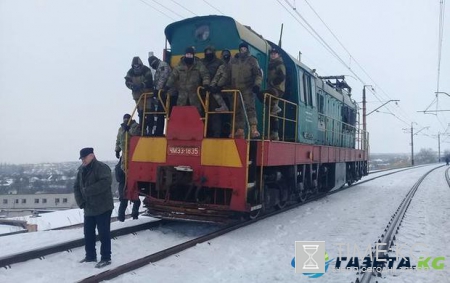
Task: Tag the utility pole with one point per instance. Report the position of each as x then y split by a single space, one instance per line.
364 133
439 147
412 144
364 109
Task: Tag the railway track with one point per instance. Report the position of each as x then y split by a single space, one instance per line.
152 258
388 236
119 270
7 261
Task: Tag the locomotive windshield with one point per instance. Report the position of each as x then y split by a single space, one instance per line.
202 32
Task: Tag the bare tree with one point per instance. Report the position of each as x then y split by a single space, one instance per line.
425 155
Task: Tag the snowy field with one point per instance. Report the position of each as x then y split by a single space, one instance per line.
261 252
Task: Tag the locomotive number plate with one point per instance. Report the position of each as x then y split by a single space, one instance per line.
184 150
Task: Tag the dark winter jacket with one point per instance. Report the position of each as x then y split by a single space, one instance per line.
277 74
92 188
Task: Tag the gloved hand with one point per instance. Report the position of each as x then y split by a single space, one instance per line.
138 87
207 88
277 81
125 127
216 89
165 89
255 89
117 154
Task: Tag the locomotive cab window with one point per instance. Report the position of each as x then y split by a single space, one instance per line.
202 33
320 102
307 93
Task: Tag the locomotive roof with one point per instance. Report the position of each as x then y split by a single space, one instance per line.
231 41
344 97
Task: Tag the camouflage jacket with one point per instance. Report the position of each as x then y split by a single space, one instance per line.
222 77
145 77
245 72
134 130
212 66
162 74
276 76
92 188
186 79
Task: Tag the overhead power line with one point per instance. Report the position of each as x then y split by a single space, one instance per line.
213 7
168 9
156 9
322 41
184 7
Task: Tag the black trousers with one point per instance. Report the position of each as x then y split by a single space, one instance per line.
123 206
103 224
120 177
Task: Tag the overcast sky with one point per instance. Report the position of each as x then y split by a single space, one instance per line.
62 65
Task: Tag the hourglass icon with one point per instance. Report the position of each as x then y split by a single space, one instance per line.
310 263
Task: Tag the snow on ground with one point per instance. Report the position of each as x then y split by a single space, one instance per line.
5 229
63 218
14 244
425 231
261 252
65 267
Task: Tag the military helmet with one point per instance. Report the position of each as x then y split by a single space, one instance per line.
274 50
136 61
243 44
136 65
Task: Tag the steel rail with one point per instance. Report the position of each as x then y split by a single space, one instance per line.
6 261
447 176
138 263
388 236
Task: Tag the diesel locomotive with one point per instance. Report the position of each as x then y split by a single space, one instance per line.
187 175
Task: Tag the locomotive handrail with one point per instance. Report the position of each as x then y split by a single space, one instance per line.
205 104
234 93
360 142
125 150
269 97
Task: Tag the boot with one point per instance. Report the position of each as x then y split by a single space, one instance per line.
274 136
275 109
103 263
122 207
221 102
141 121
135 210
239 134
254 132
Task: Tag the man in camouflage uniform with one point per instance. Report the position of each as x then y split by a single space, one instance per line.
246 76
127 128
221 80
187 77
276 85
162 73
212 63
140 80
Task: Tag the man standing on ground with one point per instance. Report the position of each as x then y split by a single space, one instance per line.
92 191
127 129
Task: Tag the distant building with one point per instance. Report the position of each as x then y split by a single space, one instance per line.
31 202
